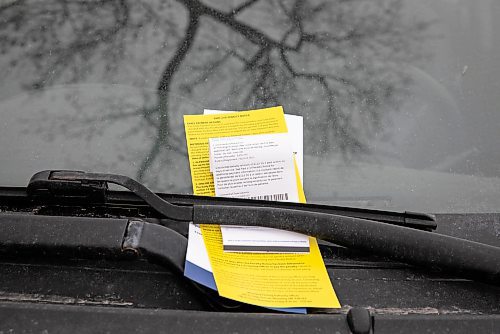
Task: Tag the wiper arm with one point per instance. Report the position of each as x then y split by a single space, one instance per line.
453 255
100 238
77 181
75 187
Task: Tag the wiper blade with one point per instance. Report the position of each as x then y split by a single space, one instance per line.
453 255
80 188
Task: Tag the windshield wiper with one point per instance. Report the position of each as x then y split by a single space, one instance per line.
62 188
422 248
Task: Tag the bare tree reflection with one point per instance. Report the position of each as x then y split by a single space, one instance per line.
341 63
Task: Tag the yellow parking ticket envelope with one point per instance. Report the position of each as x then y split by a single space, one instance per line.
199 128
270 279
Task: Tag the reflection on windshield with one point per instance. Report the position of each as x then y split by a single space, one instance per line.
358 71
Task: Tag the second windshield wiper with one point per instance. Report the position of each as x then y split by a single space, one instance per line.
453 255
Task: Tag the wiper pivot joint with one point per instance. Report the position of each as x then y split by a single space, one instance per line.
71 184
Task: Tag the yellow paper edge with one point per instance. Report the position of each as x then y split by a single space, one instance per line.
300 189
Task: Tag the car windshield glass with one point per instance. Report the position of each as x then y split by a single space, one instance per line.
399 98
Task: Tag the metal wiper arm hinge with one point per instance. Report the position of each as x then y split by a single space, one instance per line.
457 256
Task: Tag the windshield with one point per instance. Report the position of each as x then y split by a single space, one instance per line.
399 98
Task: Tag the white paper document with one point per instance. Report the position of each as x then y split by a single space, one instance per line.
296 134
295 125
196 252
254 167
263 240
259 167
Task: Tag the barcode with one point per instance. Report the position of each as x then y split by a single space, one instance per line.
273 197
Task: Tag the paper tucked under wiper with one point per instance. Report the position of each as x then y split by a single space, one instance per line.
251 157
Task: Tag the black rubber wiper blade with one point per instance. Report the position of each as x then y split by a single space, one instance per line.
77 187
456 256
427 249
